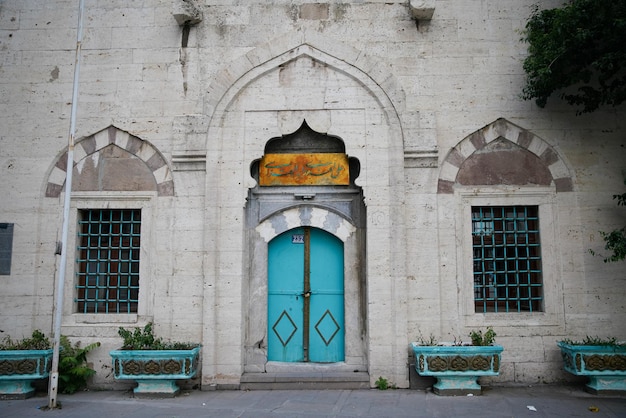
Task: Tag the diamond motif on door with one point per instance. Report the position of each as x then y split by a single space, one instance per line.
284 325
327 325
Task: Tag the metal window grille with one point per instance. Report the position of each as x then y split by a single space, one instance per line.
507 259
108 260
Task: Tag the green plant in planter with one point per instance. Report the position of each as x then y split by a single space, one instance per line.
144 339
73 368
38 341
608 341
21 363
480 339
458 365
602 360
431 340
477 337
154 364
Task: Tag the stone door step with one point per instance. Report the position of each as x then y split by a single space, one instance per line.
305 380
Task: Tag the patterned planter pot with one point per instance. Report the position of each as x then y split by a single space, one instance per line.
19 368
457 368
605 365
155 371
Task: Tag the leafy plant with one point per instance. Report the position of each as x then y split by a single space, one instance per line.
144 339
577 49
382 383
611 341
38 341
73 368
615 240
489 338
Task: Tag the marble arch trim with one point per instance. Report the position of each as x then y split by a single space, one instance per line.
379 80
127 142
501 128
305 216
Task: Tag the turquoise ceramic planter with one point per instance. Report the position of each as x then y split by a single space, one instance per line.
155 371
457 368
19 368
605 365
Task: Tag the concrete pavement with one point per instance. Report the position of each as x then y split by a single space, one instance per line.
526 401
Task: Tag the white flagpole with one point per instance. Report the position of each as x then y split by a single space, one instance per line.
58 308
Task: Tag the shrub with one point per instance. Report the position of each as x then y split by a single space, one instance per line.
38 341
73 368
489 338
144 339
611 341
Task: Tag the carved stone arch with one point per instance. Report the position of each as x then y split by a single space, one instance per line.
254 99
150 170
527 159
374 75
306 215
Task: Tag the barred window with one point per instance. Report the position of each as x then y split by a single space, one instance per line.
108 260
507 259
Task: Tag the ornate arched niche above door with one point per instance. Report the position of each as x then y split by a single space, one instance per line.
305 158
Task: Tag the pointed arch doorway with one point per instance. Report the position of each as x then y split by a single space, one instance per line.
307 289
306 297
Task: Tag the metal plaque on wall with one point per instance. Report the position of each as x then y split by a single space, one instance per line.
304 169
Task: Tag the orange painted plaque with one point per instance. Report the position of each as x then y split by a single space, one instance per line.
304 169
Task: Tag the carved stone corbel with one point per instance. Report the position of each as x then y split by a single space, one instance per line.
186 12
422 9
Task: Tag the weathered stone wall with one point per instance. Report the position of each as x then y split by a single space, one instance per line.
401 94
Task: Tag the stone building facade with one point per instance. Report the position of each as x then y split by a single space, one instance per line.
463 207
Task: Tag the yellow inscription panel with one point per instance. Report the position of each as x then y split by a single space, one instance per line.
304 169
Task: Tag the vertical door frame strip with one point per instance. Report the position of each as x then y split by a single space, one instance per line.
307 291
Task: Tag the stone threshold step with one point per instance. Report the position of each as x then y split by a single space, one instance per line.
305 380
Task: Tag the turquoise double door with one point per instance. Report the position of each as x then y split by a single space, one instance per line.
306 297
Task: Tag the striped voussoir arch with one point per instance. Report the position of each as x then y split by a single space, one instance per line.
90 145
501 128
314 216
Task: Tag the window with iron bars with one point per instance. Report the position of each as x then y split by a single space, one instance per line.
108 260
507 259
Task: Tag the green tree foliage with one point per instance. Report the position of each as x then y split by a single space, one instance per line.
615 241
578 50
